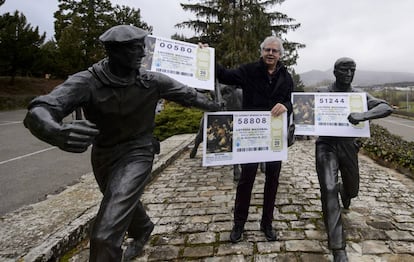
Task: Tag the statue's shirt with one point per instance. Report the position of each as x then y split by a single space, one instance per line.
122 109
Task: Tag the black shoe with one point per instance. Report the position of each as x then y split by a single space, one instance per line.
340 255
236 233
346 201
270 234
135 247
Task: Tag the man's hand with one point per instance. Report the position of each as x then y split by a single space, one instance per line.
355 118
278 109
76 136
202 45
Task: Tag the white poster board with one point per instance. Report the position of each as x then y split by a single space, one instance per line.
243 137
182 61
326 114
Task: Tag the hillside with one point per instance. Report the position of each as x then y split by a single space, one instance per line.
23 90
362 78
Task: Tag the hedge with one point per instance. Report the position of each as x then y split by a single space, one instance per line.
389 150
175 119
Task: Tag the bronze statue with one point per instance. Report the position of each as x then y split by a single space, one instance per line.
118 100
334 154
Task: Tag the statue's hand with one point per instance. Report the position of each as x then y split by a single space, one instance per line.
216 106
76 136
355 118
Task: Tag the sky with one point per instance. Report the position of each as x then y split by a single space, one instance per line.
377 34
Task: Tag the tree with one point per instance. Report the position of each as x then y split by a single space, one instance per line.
246 27
72 50
19 44
124 15
78 25
48 60
236 28
299 85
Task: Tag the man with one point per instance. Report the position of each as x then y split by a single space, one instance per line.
266 85
119 104
335 154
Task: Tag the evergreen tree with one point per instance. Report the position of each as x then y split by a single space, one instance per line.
78 25
236 28
124 15
48 60
297 82
19 44
71 50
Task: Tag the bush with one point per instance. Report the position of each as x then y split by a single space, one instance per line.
389 150
176 119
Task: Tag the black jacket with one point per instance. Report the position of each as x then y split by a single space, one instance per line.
260 92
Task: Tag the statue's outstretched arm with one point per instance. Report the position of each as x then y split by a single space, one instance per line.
379 111
74 137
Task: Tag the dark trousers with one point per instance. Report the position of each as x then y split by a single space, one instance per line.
244 192
122 173
332 157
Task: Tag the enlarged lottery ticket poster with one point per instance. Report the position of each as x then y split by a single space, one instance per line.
326 114
243 137
182 61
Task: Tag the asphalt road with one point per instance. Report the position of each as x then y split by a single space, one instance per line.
398 125
31 169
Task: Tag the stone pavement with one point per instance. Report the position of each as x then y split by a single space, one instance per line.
192 208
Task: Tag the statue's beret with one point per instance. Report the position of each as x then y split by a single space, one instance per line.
123 34
344 61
